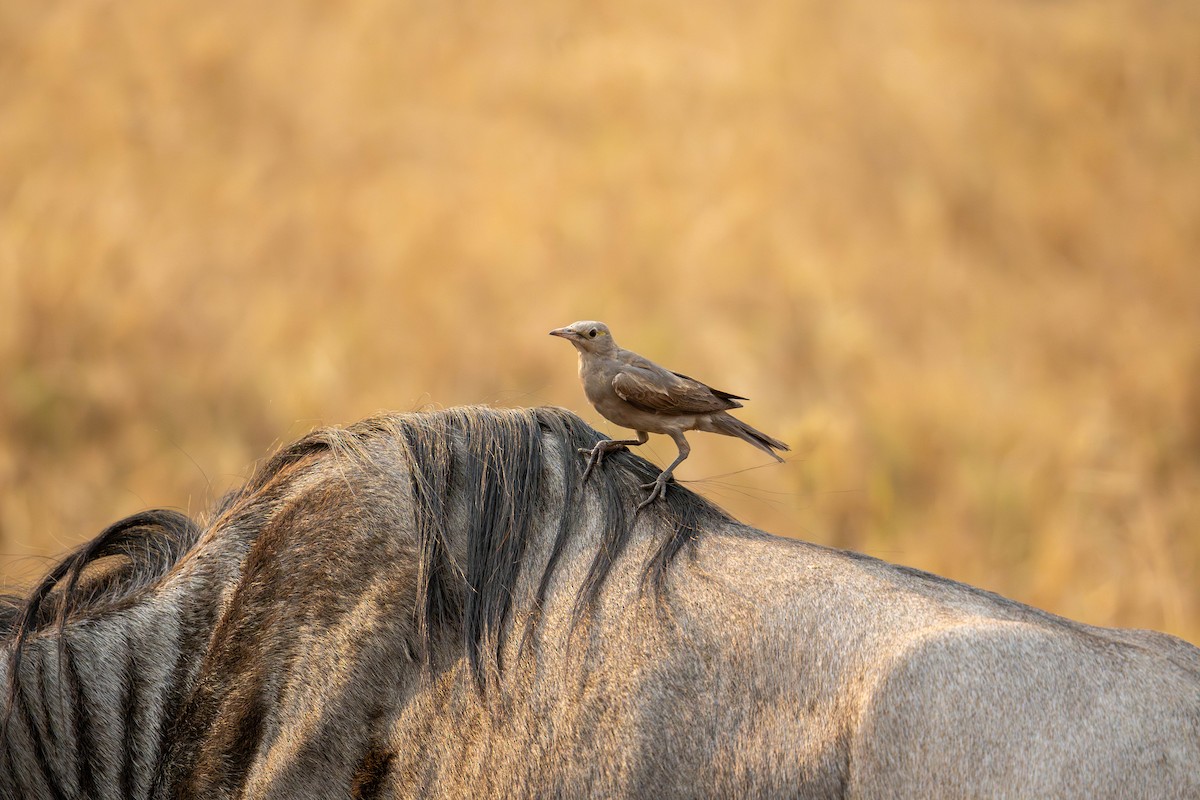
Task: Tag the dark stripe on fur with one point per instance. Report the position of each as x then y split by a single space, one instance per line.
85 747
371 773
129 705
235 747
52 737
196 621
50 780
50 704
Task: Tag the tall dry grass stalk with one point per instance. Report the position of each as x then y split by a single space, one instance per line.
948 248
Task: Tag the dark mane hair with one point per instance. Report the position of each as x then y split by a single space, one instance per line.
504 454
497 462
106 573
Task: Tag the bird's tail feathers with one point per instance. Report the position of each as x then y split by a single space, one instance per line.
732 426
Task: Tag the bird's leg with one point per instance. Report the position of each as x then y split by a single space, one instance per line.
659 487
606 446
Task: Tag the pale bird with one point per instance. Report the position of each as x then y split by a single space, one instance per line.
636 393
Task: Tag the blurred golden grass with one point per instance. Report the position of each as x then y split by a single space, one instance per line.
948 248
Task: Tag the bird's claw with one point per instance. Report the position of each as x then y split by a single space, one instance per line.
594 458
596 455
658 488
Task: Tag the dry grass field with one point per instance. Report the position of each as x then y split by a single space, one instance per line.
949 249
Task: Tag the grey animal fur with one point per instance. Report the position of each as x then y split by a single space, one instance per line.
432 606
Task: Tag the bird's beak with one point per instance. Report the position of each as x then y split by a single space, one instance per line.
566 333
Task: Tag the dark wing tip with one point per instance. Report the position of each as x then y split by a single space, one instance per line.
721 394
733 398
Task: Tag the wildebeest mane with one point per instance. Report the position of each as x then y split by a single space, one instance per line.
106 573
502 457
140 548
497 462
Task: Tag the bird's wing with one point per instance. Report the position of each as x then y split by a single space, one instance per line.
723 395
651 388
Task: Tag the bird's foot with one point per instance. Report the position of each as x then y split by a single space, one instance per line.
596 455
658 488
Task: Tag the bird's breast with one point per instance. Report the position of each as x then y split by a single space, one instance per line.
614 409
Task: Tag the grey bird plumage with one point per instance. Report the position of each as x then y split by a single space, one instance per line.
636 393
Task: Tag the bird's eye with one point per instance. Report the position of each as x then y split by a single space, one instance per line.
592 333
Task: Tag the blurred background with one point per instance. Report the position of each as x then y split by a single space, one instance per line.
949 249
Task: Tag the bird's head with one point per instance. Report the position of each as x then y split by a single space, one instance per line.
588 336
